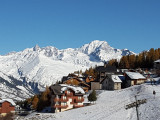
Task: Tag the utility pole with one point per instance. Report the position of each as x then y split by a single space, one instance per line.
136 104
137 108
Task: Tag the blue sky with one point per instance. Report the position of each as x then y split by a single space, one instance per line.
132 24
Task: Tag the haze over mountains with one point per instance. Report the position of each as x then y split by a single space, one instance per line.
34 68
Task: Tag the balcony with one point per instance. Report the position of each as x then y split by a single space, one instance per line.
60 106
60 100
79 100
69 94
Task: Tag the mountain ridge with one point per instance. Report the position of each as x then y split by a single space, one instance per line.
46 65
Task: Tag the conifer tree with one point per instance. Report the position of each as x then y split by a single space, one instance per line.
159 52
124 62
80 71
35 102
91 71
156 55
92 96
131 60
44 99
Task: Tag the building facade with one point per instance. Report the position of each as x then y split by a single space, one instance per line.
95 85
111 82
7 106
157 64
134 78
65 97
105 70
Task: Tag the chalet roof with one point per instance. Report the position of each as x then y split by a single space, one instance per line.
157 61
59 89
56 89
64 78
8 100
106 69
73 76
113 77
81 81
122 77
76 89
135 75
147 72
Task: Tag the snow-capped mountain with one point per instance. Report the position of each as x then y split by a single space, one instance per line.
102 51
37 67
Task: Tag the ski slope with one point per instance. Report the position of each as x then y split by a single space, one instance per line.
111 106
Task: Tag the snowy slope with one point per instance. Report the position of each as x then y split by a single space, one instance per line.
14 89
39 67
111 106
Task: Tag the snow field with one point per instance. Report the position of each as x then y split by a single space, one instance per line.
111 106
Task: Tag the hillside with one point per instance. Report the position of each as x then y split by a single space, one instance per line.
111 106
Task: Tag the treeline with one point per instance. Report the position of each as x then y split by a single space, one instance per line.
88 72
91 72
142 60
37 102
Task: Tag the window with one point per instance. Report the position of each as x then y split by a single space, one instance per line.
11 105
0 104
57 96
79 98
64 97
68 92
64 104
57 103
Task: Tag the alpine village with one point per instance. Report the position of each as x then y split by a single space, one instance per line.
81 88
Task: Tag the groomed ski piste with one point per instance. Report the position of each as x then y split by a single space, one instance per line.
111 105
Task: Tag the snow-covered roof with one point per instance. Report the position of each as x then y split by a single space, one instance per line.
122 77
147 72
8 100
135 75
79 75
74 88
115 78
157 60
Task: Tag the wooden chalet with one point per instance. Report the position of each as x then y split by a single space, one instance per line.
111 82
65 97
104 70
77 82
134 78
157 64
7 106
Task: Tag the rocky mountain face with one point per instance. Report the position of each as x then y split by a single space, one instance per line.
34 68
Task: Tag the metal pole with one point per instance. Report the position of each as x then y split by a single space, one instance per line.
137 108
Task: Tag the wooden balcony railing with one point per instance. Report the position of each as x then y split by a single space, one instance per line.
69 94
60 100
60 106
79 100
